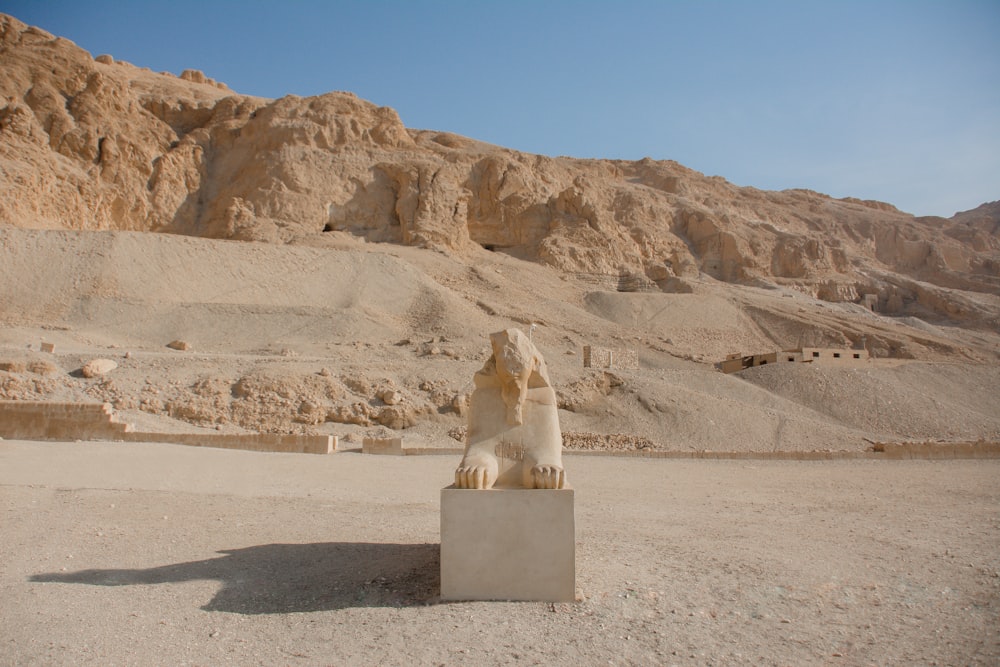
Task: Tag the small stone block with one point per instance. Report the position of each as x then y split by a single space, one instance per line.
48 347
508 544
383 446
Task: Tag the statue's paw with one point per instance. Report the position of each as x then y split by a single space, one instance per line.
475 477
548 477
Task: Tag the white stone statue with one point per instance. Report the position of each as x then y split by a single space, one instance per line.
513 438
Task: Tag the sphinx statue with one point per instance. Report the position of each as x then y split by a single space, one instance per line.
513 438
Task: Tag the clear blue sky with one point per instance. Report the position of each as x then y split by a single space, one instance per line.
880 99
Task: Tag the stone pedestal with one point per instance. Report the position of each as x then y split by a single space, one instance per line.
508 544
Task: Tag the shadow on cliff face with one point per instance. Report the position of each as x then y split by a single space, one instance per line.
287 578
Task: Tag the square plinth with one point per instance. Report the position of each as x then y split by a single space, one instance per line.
508 544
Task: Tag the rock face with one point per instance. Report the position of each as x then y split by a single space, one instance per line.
95 144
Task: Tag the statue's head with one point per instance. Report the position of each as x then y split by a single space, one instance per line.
512 351
518 366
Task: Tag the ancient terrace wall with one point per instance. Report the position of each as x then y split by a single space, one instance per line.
31 420
815 355
36 420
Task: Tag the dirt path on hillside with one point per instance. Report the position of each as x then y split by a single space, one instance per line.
144 554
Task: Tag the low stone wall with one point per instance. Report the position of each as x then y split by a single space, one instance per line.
395 447
40 420
938 450
254 442
383 446
879 452
434 451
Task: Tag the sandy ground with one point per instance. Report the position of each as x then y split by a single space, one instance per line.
161 554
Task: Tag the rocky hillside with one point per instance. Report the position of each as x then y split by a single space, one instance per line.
94 144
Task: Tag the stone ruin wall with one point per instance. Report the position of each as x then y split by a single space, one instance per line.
813 355
604 357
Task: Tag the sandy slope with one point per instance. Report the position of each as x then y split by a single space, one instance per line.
304 338
144 553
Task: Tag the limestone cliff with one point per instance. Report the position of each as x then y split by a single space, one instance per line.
97 144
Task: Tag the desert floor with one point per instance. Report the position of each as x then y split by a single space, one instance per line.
160 554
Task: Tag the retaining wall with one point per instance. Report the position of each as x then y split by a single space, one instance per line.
40 420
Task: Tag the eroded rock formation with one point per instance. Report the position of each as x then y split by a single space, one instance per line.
91 143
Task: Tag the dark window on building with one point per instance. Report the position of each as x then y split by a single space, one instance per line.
791 358
763 362
857 355
815 354
836 355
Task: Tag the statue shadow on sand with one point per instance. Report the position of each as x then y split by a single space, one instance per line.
287 578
